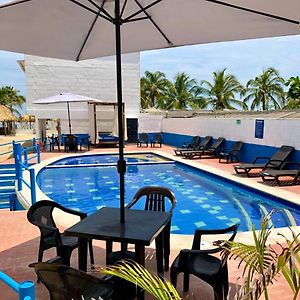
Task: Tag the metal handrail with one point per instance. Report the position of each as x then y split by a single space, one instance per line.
24 165
25 289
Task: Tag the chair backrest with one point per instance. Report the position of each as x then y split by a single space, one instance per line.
281 155
157 137
65 283
155 198
199 233
218 143
143 136
205 142
195 141
40 214
237 146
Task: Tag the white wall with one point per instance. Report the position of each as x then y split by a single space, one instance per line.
277 132
95 78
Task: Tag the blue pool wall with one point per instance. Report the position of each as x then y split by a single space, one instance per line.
247 154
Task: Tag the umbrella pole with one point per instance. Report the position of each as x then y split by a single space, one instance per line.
121 162
68 106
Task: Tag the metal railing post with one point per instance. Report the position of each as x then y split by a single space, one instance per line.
25 157
34 145
38 150
18 160
32 185
26 290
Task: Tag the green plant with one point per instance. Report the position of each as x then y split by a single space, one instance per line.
11 98
221 92
137 274
265 91
261 263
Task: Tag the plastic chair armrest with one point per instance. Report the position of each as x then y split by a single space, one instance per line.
80 214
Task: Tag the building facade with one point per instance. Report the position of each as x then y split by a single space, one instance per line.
95 78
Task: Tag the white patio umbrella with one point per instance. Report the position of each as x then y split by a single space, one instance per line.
82 29
66 98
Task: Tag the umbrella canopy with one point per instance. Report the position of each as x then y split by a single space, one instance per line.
27 118
67 98
82 29
6 115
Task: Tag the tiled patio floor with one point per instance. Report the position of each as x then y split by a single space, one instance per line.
19 246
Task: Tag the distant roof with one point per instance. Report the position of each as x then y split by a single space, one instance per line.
228 114
21 63
6 114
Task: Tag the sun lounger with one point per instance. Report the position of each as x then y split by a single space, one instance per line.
275 162
188 145
208 151
203 144
231 155
278 175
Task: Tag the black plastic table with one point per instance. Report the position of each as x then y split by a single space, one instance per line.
140 228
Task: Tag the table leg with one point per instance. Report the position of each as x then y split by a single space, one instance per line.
82 254
166 245
140 258
159 243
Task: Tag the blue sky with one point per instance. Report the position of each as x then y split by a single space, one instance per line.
245 59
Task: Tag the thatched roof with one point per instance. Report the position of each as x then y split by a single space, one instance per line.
6 114
27 118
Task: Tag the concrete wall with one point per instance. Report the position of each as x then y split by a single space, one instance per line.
277 132
96 78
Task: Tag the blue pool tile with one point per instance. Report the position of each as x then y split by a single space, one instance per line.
200 224
185 211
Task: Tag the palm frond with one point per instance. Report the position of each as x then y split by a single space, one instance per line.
137 274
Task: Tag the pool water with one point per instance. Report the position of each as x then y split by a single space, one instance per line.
109 159
203 201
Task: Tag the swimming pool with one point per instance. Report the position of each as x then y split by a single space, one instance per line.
203 200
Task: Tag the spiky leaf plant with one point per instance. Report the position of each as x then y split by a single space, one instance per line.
137 274
259 262
289 263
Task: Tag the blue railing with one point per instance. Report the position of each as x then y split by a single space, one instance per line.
6 152
25 289
22 158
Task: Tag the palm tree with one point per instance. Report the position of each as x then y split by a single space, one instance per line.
153 87
11 98
184 93
221 93
265 91
293 93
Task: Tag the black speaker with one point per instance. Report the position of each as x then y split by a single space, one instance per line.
132 130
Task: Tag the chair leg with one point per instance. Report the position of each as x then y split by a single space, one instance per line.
167 245
186 281
91 254
40 258
173 276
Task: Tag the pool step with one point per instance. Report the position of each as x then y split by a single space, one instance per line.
7 185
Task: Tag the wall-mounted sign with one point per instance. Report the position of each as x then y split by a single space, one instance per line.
259 129
238 122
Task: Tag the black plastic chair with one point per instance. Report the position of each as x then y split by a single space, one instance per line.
54 141
201 264
188 145
231 155
85 141
66 283
157 139
143 138
276 161
155 199
70 142
41 214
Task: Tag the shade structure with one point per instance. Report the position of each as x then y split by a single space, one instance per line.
67 98
6 115
82 29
